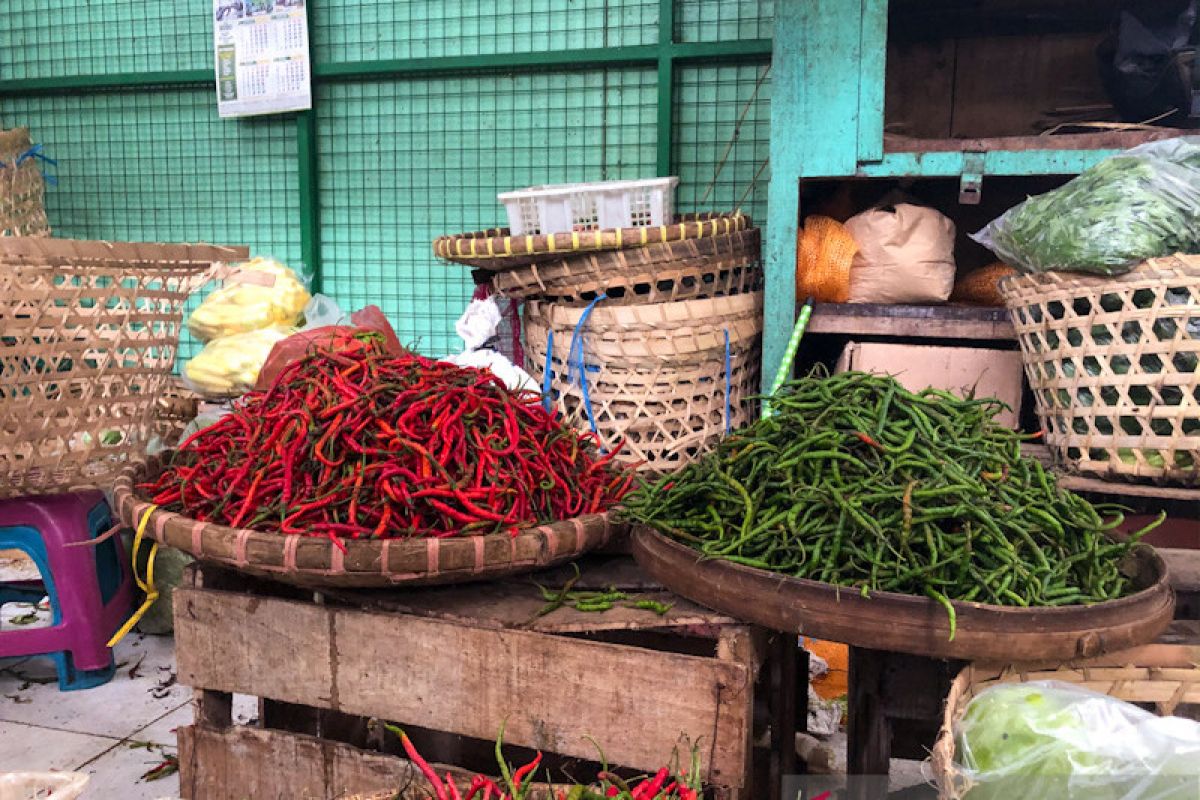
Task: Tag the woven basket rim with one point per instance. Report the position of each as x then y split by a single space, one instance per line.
330 565
735 250
495 248
1163 267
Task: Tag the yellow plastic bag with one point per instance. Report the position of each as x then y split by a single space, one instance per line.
259 294
824 253
228 366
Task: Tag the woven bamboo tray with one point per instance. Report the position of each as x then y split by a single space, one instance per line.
657 375
1113 363
495 249
89 337
313 561
667 272
1164 676
22 188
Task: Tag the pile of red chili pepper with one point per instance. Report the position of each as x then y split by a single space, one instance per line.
517 784
352 441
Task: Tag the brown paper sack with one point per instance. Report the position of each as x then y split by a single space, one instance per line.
905 255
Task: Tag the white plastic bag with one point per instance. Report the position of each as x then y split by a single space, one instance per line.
477 327
1054 740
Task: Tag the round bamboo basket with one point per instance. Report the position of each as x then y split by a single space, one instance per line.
365 563
667 272
495 249
1113 363
1165 682
657 376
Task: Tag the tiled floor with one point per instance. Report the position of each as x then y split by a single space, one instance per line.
115 732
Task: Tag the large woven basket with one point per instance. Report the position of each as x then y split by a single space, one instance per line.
657 376
713 266
1163 676
88 332
1113 366
365 563
496 249
22 188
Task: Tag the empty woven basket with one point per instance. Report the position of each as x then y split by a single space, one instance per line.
1113 363
658 377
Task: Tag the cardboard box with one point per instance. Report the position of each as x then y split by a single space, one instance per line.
991 373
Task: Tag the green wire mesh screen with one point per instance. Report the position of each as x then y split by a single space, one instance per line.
414 151
56 38
404 162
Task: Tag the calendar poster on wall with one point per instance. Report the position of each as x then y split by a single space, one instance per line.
262 63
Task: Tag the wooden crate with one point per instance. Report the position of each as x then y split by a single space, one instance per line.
450 665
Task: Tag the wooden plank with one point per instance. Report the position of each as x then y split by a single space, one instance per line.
872 79
246 762
928 322
1081 483
920 86
1108 140
1183 567
868 732
467 680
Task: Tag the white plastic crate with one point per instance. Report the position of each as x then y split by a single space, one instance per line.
567 207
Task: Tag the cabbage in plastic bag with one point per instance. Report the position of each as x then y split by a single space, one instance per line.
1140 204
1050 740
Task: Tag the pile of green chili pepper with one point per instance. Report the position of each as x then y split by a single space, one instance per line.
857 482
352 441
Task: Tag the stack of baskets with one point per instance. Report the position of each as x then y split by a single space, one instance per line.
644 335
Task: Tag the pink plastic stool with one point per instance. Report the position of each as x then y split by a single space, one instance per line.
90 587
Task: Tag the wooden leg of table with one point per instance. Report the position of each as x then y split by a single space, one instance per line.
783 711
869 734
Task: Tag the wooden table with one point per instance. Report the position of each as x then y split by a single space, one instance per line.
450 664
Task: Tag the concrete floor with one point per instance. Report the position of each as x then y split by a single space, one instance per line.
115 733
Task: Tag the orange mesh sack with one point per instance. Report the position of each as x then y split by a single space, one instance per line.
981 287
824 252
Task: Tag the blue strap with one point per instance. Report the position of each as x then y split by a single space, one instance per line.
728 418
575 361
35 152
548 372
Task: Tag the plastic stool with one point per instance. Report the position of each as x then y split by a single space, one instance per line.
90 587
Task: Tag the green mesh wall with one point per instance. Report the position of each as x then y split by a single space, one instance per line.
362 30
404 162
722 120
56 38
399 160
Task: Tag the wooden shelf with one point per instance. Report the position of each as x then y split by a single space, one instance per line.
1081 483
1106 140
925 322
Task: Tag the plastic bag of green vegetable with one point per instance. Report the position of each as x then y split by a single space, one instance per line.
1047 739
1139 204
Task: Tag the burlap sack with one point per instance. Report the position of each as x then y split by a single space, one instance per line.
905 255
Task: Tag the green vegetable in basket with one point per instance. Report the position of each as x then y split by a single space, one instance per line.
1141 204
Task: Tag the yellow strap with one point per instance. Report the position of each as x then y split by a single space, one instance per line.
147 586
574 240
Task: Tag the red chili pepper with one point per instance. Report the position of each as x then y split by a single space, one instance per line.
865 439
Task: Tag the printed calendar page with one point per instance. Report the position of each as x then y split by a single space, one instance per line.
261 49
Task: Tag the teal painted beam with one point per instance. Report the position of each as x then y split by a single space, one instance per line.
995 162
666 87
497 62
122 80
814 130
640 55
872 79
308 188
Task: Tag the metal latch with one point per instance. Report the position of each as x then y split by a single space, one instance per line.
970 188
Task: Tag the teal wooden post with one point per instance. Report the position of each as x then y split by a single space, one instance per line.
814 131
